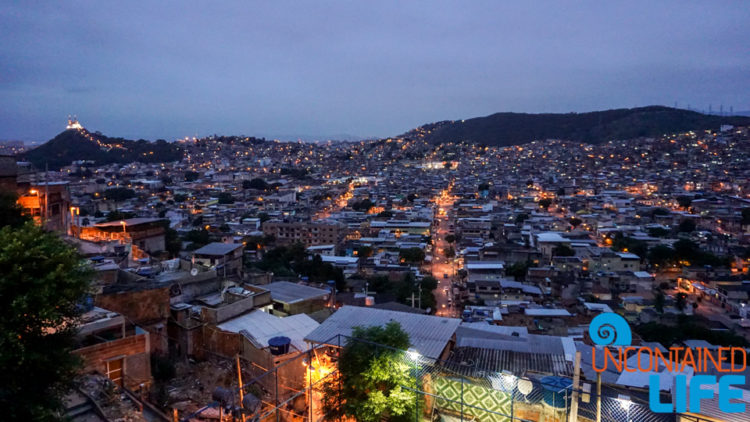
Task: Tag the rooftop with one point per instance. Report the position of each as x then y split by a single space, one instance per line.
288 292
217 249
261 326
129 222
428 334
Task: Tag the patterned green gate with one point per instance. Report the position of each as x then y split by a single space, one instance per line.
448 392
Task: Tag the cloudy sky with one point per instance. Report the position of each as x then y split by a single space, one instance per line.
369 68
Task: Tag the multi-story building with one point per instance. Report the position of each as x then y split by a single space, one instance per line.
309 234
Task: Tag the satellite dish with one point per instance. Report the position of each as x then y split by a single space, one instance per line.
194 272
525 386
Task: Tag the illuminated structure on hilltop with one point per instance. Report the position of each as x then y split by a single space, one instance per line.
73 124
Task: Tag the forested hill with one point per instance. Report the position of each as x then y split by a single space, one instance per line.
594 127
80 144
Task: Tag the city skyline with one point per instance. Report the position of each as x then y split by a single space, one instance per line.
362 70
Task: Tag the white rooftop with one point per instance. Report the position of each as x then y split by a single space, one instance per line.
550 237
546 312
262 326
427 334
485 265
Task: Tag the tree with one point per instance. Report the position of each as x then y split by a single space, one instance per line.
180 197
686 226
681 301
684 201
575 222
370 381
256 183
450 252
658 232
745 216
10 211
172 242
563 250
545 203
119 194
661 255
42 284
450 238
191 176
520 218
659 302
627 243
363 205
518 270
119 215
364 252
198 237
412 255
226 198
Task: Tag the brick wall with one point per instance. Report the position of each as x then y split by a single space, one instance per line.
133 350
138 306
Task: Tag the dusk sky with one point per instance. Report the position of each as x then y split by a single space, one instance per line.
324 68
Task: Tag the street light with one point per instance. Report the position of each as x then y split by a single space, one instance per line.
414 357
625 404
413 353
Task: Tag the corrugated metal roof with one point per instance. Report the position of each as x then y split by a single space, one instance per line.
546 312
530 343
217 248
428 334
287 292
129 222
468 360
262 327
485 265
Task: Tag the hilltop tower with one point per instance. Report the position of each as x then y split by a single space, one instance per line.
73 123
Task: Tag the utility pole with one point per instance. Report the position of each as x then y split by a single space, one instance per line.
239 381
576 382
46 194
598 397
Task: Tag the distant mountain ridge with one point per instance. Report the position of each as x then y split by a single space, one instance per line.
502 129
80 144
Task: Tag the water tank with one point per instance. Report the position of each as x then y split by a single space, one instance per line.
556 391
279 345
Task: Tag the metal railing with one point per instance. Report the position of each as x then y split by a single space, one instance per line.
306 386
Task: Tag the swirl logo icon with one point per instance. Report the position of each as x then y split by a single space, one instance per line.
609 328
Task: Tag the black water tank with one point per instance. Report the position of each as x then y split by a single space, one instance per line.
279 345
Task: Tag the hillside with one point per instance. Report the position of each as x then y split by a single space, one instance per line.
594 127
80 144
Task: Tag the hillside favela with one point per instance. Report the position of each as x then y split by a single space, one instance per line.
344 211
